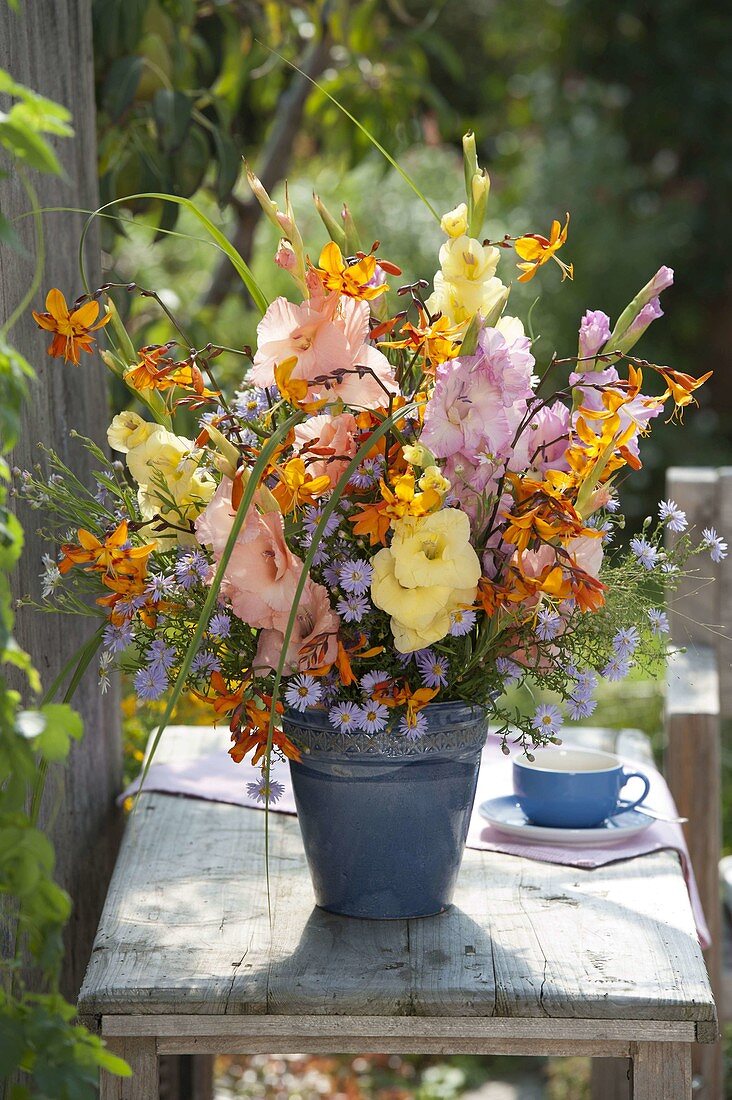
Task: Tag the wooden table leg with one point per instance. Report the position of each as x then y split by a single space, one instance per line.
142 1057
610 1079
661 1071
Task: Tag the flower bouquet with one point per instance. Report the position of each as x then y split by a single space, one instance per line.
388 525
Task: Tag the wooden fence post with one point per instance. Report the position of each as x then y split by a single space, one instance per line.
47 45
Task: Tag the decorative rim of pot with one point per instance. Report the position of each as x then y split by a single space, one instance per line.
450 727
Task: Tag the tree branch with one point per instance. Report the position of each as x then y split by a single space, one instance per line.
275 161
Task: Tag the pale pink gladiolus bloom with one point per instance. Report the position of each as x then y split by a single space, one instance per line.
315 631
327 443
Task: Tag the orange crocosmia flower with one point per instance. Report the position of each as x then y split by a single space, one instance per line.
110 556
296 486
156 371
72 328
536 250
436 341
372 521
416 700
351 279
588 591
295 390
681 386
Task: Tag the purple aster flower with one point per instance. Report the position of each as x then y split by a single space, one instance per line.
368 473
617 668
117 637
612 504
205 662
331 572
432 669
674 518
548 624
370 681
303 692
159 586
646 554
715 544
160 655
415 729
659 621
219 625
547 719
353 608
312 516
330 686
355 576
266 790
509 671
626 641
462 622
372 717
344 717
191 569
250 404
151 683
578 708
128 606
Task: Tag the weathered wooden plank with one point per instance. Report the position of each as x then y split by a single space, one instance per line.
186 929
693 765
661 1072
48 46
724 592
370 1028
610 1078
144 1084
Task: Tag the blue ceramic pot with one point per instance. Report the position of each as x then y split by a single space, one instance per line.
384 820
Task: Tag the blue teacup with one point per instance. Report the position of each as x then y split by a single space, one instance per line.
573 788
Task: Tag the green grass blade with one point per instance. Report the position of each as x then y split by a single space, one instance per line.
216 235
367 133
251 488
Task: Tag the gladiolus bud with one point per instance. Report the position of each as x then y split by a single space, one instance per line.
480 186
455 222
631 325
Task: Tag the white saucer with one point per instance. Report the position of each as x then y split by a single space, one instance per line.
506 815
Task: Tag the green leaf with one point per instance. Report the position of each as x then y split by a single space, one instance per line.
28 146
172 114
112 1063
189 163
121 85
51 729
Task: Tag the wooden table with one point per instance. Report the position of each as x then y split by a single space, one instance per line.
534 958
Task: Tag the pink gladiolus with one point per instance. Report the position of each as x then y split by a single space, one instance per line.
594 333
262 572
328 337
314 640
327 443
548 438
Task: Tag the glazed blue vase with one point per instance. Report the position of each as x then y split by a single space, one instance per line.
383 819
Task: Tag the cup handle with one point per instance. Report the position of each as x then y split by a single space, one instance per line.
646 785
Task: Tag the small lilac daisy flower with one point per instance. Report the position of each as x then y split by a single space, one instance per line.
579 708
128 606
355 576
462 622
370 681
117 637
547 719
191 569
330 686
674 518
303 692
646 554
612 504
219 625
372 717
150 683
368 473
312 516
205 662
626 641
331 572
249 404
617 668
415 729
159 586
659 621
344 717
161 655
433 669
509 670
105 663
353 608
548 624
715 544
264 790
